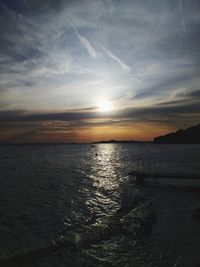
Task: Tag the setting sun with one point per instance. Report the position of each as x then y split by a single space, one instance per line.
104 106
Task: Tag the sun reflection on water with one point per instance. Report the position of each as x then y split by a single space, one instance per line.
104 169
104 176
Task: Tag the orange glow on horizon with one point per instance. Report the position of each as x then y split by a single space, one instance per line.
128 132
86 134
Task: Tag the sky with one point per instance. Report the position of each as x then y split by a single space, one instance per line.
60 60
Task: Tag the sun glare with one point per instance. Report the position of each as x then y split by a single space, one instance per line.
104 106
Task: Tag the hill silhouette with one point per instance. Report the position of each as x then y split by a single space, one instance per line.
187 136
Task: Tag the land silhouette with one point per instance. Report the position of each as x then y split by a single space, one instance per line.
183 136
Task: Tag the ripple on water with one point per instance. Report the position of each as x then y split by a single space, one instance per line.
81 194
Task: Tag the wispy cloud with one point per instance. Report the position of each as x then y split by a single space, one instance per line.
182 15
86 43
124 66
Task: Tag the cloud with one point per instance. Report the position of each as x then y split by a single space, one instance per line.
124 66
193 94
86 43
182 14
139 113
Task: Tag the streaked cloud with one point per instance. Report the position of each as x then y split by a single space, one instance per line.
182 14
124 66
86 43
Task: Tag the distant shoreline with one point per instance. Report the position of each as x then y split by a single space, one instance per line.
93 143
120 141
96 143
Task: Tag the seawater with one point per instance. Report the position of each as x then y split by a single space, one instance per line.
51 193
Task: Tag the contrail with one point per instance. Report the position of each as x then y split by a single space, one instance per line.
85 42
182 14
124 66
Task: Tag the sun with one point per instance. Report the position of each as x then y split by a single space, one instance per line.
104 106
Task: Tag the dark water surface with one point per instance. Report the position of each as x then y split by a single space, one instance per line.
81 197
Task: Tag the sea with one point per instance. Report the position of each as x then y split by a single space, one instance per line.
78 205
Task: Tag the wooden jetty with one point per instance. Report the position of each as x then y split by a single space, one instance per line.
141 176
